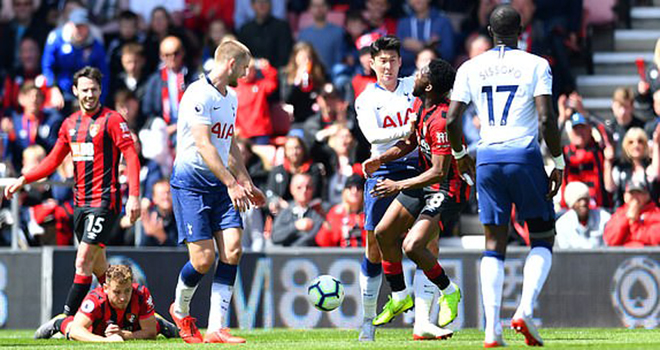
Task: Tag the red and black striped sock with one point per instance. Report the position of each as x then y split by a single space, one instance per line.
438 276
394 275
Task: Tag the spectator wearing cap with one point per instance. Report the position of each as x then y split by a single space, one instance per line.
365 75
332 109
32 125
344 223
640 161
266 36
298 224
426 26
580 227
253 120
67 50
636 223
624 118
585 161
326 38
296 161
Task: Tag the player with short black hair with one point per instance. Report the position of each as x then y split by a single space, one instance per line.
95 137
439 208
512 91
116 311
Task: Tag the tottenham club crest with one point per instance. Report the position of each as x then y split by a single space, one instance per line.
94 130
636 292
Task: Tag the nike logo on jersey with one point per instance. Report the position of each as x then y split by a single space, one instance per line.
216 108
378 108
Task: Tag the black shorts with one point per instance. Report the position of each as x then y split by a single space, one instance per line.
434 203
94 225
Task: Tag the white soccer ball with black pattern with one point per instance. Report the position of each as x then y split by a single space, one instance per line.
325 292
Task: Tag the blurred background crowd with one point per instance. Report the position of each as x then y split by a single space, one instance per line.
296 123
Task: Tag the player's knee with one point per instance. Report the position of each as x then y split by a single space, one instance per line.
383 234
203 262
234 254
412 246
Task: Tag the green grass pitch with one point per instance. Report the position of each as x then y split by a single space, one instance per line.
388 338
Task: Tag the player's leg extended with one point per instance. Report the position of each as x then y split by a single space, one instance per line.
371 277
230 252
389 233
85 258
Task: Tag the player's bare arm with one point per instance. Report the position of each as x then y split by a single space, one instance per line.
78 329
237 167
202 135
148 330
399 150
435 174
45 168
548 121
133 169
455 132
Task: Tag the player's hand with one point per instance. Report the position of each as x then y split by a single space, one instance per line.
239 197
385 188
15 187
634 210
370 166
112 329
257 198
114 338
133 209
554 185
466 169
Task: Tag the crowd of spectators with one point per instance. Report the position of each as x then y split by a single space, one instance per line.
296 124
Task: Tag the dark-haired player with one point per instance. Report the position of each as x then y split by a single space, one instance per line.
383 113
116 311
96 137
445 195
512 91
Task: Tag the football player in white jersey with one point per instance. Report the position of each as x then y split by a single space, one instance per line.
512 91
210 186
385 115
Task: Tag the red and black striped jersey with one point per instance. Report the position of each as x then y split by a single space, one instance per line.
95 142
432 140
97 308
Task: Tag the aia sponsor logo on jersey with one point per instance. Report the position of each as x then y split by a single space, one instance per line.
223 130
82 151
391 122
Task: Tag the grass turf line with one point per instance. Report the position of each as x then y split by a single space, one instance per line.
387 338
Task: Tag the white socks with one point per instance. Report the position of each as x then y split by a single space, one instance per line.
220 299
425 292
182 299
451 288
492 282
400 295
369 287
536 270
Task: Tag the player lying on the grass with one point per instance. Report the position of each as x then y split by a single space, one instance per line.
445 195
116 311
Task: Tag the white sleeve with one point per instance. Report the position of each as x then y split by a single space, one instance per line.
195 107
368 123
543 77
461 90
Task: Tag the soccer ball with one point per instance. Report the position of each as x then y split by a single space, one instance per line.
325 292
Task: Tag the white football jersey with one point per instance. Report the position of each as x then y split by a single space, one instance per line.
383 114
502 84
202 103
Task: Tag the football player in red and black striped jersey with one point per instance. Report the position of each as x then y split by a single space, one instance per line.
445 195
96 137
116 311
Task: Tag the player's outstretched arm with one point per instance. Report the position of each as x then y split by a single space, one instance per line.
45 168
548 121
201 133
237 167
435 174
399 150
78 329
455 133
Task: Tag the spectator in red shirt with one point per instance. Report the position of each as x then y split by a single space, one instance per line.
253 114
116 311
344 223
636 223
